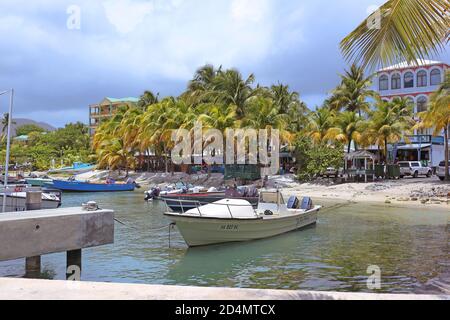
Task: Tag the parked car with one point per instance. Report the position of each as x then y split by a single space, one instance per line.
440 171
332 172
414 169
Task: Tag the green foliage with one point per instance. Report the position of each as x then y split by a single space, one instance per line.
26 129
66 145
314 159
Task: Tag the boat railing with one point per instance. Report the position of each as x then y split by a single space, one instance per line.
198 204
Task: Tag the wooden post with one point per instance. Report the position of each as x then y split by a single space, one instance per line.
73 267
33 264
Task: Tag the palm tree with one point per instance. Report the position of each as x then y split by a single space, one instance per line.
230 88
147 99
400 30
347 126
389 123
353 92
5 122
438 116
319 121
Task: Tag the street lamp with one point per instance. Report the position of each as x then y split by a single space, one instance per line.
8 143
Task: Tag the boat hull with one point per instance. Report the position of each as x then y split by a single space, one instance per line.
207 231
77 186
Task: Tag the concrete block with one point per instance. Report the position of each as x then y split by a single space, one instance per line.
34 233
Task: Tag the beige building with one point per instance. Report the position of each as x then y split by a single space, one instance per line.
105 109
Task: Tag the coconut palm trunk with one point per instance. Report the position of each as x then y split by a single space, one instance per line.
447 178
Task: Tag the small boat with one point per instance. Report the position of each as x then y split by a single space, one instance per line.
235 220
38 182
16 201
82 186
181 202
77 167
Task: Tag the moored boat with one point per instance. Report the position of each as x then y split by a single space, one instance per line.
81 186
235 220
38 182
181 202
16 201
77 167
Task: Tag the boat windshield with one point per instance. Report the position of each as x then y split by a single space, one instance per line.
271 197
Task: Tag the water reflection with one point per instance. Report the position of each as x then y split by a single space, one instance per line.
410 246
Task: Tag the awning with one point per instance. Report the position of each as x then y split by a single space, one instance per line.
414 146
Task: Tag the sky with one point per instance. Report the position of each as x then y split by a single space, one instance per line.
60 56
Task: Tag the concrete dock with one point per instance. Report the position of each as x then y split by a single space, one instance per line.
30 234
30 289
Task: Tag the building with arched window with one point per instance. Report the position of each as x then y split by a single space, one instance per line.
417 83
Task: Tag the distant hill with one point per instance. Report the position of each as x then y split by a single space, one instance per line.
20 122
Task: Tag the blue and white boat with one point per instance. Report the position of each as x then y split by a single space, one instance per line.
77 167
80 186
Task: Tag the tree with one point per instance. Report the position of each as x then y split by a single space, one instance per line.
319 121
314 158
347 126
389 123
438 116
400 30
26 129
5 125
353 91
147 99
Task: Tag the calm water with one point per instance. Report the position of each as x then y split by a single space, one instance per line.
411 247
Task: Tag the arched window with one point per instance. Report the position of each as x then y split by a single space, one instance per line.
422 78
435 77
384 82
396 81
409 80
422 104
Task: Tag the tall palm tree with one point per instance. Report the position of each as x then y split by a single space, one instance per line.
400 30
147 99
389 123
438 116
231 88
353 92
319 121
5 123
347 126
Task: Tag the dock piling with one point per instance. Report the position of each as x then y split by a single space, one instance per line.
73 267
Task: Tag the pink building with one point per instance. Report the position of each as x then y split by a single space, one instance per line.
417 83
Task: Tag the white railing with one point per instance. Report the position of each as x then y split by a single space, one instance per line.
199 204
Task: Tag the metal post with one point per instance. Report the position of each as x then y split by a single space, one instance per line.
8 145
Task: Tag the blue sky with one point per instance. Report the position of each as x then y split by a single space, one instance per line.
124 47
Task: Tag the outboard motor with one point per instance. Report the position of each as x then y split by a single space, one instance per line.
307 203
151 194
293 203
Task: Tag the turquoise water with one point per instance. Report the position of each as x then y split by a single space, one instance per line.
409 245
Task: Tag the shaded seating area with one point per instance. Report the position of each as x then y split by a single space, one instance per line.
360 166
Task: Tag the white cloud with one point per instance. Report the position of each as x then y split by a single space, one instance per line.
250 10
126 15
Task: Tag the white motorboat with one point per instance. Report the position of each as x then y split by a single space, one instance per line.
235 220
16 201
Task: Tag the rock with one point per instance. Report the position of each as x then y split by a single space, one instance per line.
414 199
425 201
388 201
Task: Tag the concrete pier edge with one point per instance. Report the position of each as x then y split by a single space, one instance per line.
32 289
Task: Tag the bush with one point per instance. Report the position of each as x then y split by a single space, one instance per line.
312 159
